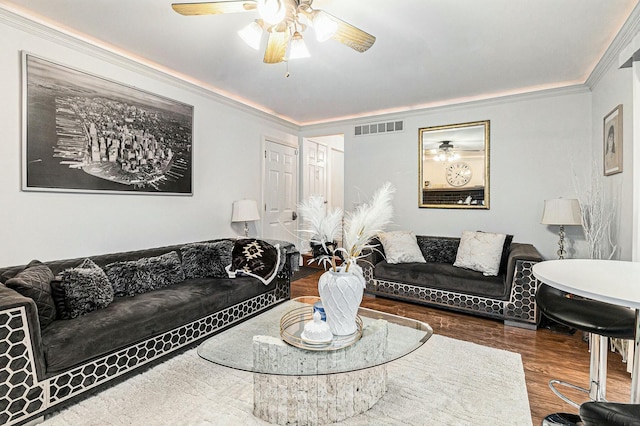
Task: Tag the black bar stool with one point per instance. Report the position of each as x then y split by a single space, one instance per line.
602 321
610 413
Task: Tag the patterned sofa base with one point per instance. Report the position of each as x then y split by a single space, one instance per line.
519 309
23 396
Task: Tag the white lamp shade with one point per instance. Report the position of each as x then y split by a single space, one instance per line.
324 26
245 211
252 35
298 48
561 211
272 11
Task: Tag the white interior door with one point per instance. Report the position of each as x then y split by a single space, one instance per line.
315 166
280 192
336 190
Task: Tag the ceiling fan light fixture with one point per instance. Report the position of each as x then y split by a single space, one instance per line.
252 35
445 152
298 48
324 26
272 11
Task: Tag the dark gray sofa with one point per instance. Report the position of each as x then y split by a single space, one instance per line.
41 367
510 296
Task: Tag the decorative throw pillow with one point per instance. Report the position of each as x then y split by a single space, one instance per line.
401 247
35 282
201 260
57 292
254 258
480 251
439 249
86 288
133 277
504 259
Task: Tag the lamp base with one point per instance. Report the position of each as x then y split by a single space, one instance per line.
561 251
246 229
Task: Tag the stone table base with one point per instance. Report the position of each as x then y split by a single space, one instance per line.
312 400
299 392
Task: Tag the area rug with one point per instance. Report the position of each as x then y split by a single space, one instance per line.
445 382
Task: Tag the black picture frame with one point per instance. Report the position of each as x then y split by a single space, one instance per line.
612 142
85 133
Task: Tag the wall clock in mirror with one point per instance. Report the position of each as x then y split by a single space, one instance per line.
458 174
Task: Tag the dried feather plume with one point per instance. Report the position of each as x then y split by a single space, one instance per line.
360 226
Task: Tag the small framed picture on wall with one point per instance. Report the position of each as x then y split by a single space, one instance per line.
612 149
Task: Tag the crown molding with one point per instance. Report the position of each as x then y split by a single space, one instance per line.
611 56
488 101
111 54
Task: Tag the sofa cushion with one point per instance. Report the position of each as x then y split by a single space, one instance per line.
133 277
35 282
208 259
438 249
86 288
480 251
401 247
443 276
132 319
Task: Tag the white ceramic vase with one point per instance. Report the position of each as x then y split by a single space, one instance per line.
341 293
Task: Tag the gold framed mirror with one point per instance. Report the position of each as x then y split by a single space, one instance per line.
453 170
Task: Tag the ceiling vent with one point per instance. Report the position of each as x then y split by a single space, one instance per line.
378 128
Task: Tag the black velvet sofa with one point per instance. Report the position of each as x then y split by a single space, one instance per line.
509 296
44 366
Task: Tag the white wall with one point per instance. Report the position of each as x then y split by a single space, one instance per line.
612 89
227 164
533 140
529 162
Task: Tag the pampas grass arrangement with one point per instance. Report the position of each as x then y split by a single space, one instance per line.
360 227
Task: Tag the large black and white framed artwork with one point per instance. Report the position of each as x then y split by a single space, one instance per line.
84 133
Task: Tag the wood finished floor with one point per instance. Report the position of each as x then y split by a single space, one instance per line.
545 354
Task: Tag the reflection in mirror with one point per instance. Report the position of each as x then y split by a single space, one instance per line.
454 166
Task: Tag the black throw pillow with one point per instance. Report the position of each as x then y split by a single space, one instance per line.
206 260
86 288
35 282
133 277
504 259
57 292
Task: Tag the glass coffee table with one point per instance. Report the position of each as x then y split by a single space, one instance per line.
294 385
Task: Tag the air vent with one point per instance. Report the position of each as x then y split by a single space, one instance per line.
377 128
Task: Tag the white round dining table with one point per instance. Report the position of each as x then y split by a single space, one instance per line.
611 281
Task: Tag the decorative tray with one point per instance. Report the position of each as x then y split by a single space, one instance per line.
292 325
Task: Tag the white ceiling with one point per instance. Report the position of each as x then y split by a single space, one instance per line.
427 52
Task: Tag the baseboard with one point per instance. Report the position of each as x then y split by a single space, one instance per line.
520 324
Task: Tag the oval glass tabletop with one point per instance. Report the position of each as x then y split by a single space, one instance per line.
256 346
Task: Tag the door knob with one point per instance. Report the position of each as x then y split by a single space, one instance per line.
294 215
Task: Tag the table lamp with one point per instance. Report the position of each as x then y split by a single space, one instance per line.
245 211
561 211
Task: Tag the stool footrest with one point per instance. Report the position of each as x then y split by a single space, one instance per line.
552 384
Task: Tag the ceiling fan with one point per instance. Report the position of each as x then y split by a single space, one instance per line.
285 22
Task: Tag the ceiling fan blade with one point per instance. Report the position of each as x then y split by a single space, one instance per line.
351 36
276 47
214 8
